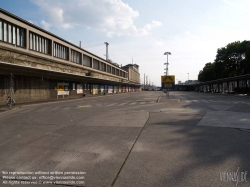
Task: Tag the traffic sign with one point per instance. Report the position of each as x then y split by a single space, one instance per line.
168 82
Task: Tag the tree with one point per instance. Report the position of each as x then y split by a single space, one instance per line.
208 73
232 60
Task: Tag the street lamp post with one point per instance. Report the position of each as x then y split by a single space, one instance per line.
188 78
167 53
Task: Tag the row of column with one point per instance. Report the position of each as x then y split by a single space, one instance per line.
239 86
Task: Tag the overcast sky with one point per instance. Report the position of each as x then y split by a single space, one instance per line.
142 30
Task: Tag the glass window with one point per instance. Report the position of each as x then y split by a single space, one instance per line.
1 30
9 33
14 34
37 46
17 36
60 51
40 44
5 32
34 42
31 41
22 37
45 47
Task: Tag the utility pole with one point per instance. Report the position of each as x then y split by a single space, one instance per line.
144 81
107 53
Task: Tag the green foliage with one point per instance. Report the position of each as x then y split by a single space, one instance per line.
232 60
89 73
208 73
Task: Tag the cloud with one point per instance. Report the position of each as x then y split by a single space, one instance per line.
236 6
45 25
187 33
113 17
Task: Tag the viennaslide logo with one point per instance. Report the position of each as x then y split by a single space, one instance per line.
237 177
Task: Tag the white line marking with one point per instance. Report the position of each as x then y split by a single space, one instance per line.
122 104
111 104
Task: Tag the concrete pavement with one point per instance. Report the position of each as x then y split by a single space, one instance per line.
130 140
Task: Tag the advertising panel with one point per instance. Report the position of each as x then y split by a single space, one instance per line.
168 82
79 89
110 89
115 89
62 88
95 89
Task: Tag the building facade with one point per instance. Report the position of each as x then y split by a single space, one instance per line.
133 73
38 65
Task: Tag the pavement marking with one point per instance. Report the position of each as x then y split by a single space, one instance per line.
132 103
85 106
152 102
204 101
111 104
225 102
99 105
122 104
142 103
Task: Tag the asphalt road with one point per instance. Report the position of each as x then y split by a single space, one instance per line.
189 139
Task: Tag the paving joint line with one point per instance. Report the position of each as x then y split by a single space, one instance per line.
130 151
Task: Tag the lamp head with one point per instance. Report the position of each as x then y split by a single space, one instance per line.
167 53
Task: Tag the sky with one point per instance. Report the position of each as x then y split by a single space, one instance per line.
141 31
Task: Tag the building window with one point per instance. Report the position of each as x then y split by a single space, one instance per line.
75 56
12 34
113 70
60 51
86 61
5 32
109 69
37 43
1 30
102 66
95 64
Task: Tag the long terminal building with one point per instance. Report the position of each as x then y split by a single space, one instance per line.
37 65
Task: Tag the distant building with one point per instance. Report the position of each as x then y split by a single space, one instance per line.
191 82
133 72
